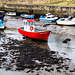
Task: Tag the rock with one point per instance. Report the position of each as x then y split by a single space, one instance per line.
72 70
47 69
58 71
52 69
66 40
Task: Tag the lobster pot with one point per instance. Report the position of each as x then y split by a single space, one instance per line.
29 26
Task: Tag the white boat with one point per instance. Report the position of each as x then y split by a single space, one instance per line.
66 21
11 13
48 17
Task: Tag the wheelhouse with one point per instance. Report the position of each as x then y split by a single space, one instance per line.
29 25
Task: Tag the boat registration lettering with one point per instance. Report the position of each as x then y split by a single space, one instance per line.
43 33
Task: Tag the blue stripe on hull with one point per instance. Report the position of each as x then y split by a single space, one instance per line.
46 20
29 16
2 24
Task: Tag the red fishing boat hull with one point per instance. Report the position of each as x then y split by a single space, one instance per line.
36 35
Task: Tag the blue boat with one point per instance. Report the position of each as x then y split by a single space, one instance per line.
2 14
48 17
2 25
27 16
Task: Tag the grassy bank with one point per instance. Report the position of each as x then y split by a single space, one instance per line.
63 3
43 2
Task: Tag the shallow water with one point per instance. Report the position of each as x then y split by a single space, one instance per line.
14 34
67 50
4 72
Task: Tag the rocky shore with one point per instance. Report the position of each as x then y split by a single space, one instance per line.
20 55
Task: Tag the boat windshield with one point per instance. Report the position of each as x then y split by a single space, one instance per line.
48 17
49 14
62 19
33 23
29 23
70 17
53 16
26 23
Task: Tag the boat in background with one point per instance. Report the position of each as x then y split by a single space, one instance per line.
48 17
29 30
2 25
11 13
27 16
66 21
2 14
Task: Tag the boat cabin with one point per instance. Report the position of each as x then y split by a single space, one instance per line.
52 16
29 25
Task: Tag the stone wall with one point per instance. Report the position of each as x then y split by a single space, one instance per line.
36 8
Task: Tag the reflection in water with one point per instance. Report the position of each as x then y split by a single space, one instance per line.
3 72
67 50
13 34
2 37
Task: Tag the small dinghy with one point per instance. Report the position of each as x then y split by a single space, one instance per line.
27 16
48 17
11 13
29 30
66 21
2 25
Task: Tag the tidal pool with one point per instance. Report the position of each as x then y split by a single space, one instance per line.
67 49
4 72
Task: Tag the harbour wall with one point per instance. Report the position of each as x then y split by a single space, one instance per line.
36 8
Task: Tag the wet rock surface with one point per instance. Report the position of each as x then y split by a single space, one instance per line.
21 55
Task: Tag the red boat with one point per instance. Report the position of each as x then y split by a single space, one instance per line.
30 31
